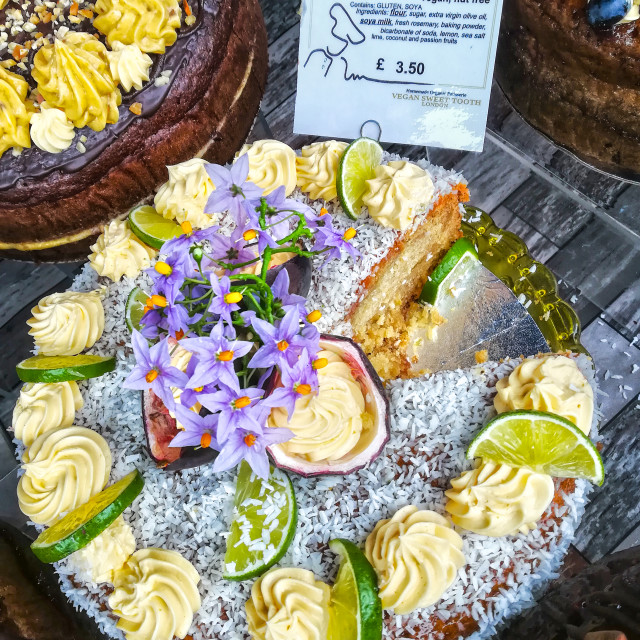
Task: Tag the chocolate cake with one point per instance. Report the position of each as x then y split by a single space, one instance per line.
201 99
576 82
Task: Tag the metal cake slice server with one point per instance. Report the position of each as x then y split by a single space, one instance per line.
484 314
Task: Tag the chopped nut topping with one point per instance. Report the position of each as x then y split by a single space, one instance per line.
136 108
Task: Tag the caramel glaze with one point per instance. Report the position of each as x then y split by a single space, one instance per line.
218 76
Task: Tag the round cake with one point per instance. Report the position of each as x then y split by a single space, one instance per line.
572 71
197 85
415 481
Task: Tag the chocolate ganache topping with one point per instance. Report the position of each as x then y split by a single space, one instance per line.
34 163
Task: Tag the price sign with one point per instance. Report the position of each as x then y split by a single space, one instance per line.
422 70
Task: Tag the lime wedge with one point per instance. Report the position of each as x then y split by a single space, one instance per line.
540 441
80 526
64 368
357 165
135 308
151 227
450 273
264 523
355 611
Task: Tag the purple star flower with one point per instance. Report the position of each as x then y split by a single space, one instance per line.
199 431
236 409
222 303
216 355
252 447
232 193
282 341
231 249
333 243
297 381
169 274
153 369
182 243
284 299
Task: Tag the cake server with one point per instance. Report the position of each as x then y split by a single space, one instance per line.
483 314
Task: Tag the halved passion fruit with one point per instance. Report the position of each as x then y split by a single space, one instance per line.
160 429
372 440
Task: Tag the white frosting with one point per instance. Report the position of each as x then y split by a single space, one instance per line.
51 130
42 407
129 65
105 554
184 196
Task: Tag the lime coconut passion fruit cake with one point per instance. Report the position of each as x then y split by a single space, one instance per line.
278 483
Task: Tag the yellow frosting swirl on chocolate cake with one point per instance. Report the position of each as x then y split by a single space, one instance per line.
43 407
551 383
63 469
118 252
498 500
14 115
272 164
64 324
416 555
155 594
317 169
287 604
73 75
150 24
51 130
105 554
129 65
396 193
184 196
326 425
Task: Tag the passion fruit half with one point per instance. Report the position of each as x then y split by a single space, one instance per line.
372 441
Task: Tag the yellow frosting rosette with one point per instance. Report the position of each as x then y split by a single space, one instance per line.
149 24
317 169
14 115
73 75
272 164
416 555
288 604
155 594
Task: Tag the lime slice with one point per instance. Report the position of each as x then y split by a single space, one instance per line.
355 611
264 523
135 308
64 368
357 165
80 526
450 273
151 227
540 441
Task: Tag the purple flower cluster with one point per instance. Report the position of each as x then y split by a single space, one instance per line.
251 346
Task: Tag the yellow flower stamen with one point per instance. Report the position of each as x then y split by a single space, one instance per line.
159 301
249 234
283 345
314 316
198 389
349 234
186 227
320 363
250 440
205 441
179 334
151 376
323 211
225 356
233 297
242 402
303 389
163 268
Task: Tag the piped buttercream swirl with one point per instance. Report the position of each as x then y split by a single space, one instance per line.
416 555
155 594
396 193
184 196
150 24
63 469
51 130
129 65
73 75
551 383
317 169
272 164
105 554
64 324
288 603
14 115
118 252
498 500
42 407
326 425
